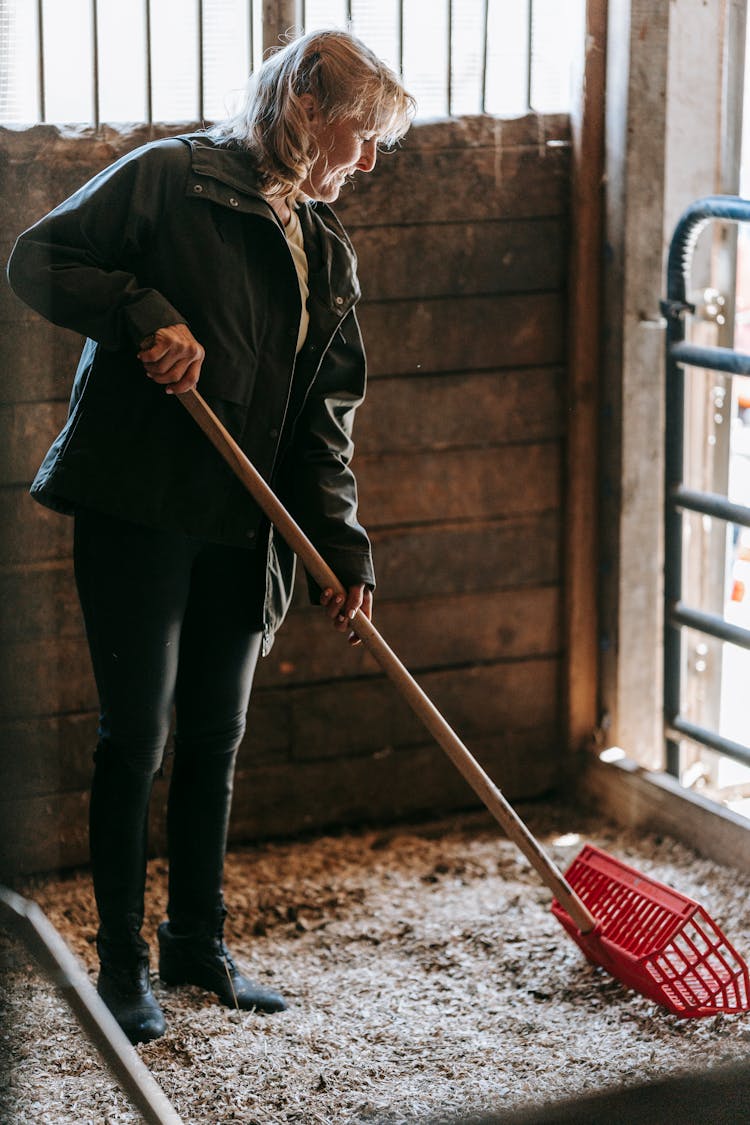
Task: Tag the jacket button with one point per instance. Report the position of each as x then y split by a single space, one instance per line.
249 534
273 433
234 202
339 300
198 189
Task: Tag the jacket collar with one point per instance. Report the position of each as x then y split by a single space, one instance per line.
223 162
331 260
226 175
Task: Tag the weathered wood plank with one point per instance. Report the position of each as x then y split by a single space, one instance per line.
30 533
424 260
460 259
423 412
426 634
332 719
40 600
469 334
40 361
44 164
97 147
481 130
42 605
342 720
48 833
46 678
450 558
457 484
429 412
585 366
274 799
43 833
417 781
49 754
28 430
55 751
458 557
11 308
52 676
445 185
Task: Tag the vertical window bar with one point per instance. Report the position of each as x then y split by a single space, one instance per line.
349 15
149 67
485 48
529 51
401 38
95 61
201 53
449 83
251 36
40 61
303 15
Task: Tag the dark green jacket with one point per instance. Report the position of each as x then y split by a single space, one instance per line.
177 232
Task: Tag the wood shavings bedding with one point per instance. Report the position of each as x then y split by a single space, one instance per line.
427 981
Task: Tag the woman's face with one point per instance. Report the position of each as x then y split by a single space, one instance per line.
344 148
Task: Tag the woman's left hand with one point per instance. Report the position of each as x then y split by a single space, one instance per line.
341 609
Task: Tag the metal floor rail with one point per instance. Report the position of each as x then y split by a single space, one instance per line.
678 499
26 922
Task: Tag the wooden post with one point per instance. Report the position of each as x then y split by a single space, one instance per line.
280 17
584 367
632 416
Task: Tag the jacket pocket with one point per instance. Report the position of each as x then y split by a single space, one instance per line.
227 385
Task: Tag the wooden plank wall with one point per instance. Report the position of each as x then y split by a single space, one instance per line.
462 239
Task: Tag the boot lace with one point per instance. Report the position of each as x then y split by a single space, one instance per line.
229 968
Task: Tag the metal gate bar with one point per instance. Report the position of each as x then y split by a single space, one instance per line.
677 615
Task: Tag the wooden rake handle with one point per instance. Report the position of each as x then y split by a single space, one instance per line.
407 686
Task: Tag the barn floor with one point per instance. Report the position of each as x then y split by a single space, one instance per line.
427 981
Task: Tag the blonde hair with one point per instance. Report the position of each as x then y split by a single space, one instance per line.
346 81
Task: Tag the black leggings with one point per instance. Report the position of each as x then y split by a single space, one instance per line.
173 623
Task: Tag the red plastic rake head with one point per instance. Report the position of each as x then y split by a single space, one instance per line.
655 939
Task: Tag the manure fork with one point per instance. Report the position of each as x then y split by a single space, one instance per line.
643 933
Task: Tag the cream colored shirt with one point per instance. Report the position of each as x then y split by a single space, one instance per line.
293 232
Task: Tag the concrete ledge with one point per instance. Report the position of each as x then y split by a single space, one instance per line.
656 802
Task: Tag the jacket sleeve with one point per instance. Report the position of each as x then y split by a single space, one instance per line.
77 265
324 488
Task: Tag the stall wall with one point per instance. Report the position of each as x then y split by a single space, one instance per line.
462 240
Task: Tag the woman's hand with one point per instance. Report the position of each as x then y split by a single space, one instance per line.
342 609
172 356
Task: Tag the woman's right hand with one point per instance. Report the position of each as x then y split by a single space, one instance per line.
172 356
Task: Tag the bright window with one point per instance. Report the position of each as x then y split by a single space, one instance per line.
84 61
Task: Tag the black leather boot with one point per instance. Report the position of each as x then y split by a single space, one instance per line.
204 960
125 988
118 826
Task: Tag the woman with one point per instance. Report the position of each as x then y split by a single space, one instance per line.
215 257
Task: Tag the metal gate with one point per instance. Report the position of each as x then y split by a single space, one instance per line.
679 616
